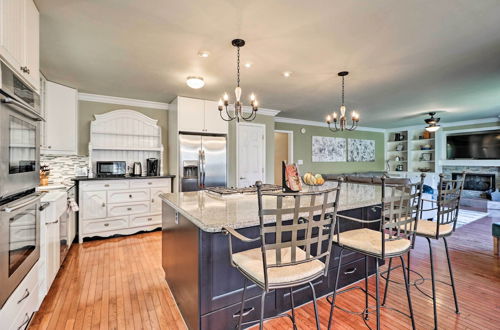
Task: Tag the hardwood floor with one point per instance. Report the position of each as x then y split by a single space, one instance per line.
118 284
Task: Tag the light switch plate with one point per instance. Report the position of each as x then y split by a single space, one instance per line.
300 162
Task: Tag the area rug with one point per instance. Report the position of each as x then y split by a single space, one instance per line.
467 216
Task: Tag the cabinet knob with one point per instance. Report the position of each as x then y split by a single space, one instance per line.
150 183
103 205
106 185
152 200
50 147
106 225
130 196
129 209
24 69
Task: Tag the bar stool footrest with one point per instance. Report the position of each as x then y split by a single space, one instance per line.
256 322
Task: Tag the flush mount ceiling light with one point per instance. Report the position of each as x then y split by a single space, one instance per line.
432 123
248 65
343 119
195 82
238 105
287 74
203 53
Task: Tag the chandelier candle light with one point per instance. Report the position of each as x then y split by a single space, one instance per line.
343 119
238 105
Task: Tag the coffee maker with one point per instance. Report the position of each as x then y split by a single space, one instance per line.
152 167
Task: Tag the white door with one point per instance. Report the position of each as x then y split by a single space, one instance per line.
12 32
32 44
251 154
94 204
213 122
191 114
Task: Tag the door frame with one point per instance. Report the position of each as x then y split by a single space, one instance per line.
290 143
238 151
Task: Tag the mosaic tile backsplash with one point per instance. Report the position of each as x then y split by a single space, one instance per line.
62 168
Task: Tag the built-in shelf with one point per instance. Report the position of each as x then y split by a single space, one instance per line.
412 152
422 140
397 141
420 150
398 161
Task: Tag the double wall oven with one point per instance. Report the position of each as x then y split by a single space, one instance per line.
19 175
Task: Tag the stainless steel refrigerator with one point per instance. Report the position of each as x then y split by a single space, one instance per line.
202 161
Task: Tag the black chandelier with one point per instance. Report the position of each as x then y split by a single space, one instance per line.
238 105
343 119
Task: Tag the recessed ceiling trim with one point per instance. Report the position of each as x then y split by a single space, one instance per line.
122 101
321 124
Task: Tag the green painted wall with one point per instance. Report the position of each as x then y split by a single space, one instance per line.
87 110
268 121
478 126
302 149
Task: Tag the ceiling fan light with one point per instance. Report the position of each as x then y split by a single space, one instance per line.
432 128
195 82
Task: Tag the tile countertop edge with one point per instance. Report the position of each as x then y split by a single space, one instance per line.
84 178
218 228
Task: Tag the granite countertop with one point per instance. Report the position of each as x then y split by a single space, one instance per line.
85 178
210 212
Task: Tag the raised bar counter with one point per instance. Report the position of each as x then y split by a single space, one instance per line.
195 255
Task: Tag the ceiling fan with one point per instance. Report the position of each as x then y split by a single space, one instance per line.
432 123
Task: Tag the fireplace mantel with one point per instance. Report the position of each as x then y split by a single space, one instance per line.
470 162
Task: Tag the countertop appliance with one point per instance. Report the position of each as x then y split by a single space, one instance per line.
136 169
111 168
19 135
152 167
19 241
202 161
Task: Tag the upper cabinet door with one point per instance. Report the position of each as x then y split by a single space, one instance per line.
32 44
190 114
12 32
61 110
213 122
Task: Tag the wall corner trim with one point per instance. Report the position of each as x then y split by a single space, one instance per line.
122 101
321 124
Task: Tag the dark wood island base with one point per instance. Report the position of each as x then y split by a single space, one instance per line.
208 289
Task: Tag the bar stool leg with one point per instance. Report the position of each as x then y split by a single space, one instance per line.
366 288
242 303
315 306
293 308
451 276
407 285
335 290
408 265
262 308
433 285
377 295
387 282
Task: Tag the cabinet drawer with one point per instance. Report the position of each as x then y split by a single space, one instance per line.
150 183
128 209
227 318
104 185
26 291
104 225
122 196
352 272
26 312
145 220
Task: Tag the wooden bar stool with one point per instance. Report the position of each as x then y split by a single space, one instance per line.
295 250
447 208
394 238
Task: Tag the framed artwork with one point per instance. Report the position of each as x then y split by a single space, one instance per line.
328 149
426 156
361 150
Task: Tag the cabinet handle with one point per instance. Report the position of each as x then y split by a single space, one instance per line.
106 185
129 209
106 225
246 311
150 183
350 271
103 205
26 320
152 200
24 69
26 295
150 219
52 222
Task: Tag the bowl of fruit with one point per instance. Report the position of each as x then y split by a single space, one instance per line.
313 180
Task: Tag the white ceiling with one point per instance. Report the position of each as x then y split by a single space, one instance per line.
405 57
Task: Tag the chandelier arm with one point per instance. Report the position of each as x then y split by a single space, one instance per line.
220 113
229 115
333 130
248 118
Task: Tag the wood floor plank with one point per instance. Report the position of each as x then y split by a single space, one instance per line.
118 283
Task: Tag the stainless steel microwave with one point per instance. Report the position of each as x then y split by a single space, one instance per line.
111 168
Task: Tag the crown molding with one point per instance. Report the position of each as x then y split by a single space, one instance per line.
321 124
262 111
122 101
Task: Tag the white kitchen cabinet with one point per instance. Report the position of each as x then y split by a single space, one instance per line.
95 204
19 38
53 261
196 115
32 44
125 206
61 111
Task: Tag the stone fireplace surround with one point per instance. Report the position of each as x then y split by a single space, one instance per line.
448 170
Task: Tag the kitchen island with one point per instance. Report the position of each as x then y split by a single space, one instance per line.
195 254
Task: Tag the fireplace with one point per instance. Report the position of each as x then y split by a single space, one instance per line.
477 181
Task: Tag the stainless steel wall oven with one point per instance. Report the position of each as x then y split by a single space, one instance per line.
19 175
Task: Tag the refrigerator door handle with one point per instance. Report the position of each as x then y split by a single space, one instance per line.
203 168
198 177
